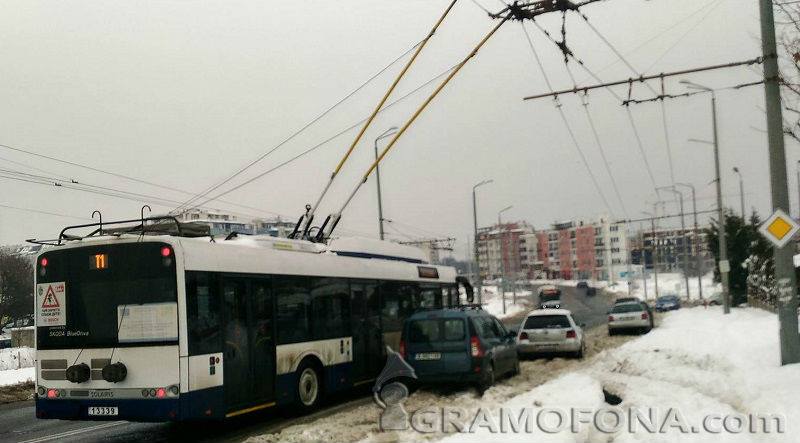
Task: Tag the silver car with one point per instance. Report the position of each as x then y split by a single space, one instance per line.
629 316
548 331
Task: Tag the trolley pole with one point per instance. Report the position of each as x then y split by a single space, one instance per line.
784 268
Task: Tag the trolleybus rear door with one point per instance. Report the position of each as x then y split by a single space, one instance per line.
237 343
249 341
368 353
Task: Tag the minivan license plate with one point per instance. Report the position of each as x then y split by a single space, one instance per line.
103 411
429 356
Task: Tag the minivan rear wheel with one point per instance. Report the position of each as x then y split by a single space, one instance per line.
487 380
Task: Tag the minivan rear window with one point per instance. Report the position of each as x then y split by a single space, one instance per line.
436 330
546 322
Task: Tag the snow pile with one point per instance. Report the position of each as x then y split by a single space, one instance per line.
14 376
17 365
16 358
493 302
698 364
671 283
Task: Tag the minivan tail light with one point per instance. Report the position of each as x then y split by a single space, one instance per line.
610 318
523 336
571 334
403 348
475 347
645 316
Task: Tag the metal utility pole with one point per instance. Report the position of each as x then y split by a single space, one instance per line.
683 237
724 265
629 258
697 255
741 192
385 134
784 268
644 262
500 233
654 245
478 277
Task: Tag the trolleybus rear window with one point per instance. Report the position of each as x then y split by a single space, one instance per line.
86 295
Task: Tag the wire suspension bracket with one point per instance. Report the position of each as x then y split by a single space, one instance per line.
517 11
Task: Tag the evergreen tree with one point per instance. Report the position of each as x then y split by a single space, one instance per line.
748 253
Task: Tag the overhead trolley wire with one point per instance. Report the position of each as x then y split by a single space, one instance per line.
299 131
630 66
714 5
566 121
38 211
660 33
114 174
570 54
324 142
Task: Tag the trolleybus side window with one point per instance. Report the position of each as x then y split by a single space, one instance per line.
203 313
330 307
292 309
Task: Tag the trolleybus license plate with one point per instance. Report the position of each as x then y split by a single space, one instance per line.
103 410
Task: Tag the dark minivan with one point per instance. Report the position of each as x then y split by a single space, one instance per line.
459 345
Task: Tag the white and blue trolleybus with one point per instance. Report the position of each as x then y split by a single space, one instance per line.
155 323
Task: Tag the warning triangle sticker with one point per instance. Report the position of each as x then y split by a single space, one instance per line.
50 299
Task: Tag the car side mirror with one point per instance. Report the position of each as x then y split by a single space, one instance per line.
583 325
512 333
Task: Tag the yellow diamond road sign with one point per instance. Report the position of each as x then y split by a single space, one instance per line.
779 228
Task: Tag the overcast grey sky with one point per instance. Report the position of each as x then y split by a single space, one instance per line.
183 93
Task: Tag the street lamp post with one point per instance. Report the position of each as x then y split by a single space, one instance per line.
724 266
798 187
388 133
653 245
502 254
478 278
697 255
683 237
741 191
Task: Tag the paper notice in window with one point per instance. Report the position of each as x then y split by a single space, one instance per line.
153 322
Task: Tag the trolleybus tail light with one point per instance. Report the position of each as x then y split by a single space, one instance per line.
43 262
166 251
52 393
161 393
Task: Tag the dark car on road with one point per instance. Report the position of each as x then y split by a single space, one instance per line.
459 345
668 303
587 289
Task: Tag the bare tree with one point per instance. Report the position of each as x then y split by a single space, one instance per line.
16 287
788 29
